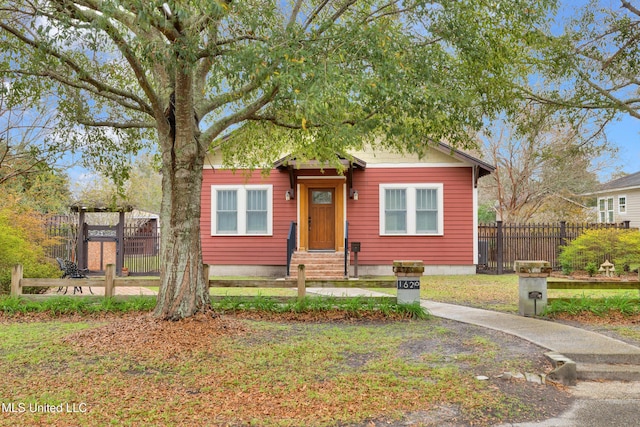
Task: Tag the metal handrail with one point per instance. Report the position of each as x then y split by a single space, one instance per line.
291 244
346 249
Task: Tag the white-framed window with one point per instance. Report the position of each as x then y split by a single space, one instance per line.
411 209
241 210
605 209
622 204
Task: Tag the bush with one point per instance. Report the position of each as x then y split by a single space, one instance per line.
621 247
591 269
22 241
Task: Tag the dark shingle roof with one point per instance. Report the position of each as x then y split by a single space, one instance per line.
628 181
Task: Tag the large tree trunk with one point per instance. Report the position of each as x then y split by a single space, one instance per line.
183 289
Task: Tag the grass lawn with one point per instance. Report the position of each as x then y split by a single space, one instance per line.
233 371
483 291
127 369
498 293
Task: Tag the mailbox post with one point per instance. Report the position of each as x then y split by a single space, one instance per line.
408 280
532 286
355 248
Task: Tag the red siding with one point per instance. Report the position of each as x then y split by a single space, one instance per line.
455 247
247 250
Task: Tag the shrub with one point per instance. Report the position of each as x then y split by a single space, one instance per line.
591 269
621 247
22 241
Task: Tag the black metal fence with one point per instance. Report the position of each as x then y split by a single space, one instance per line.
142 249
500 244
62 230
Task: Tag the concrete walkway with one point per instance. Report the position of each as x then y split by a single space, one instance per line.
575 343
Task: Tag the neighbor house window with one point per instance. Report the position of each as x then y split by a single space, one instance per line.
241 210
411 209
605 209
622 204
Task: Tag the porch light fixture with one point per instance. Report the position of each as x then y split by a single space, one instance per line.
354 194
287 195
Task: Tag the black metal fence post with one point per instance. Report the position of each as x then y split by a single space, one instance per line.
499 248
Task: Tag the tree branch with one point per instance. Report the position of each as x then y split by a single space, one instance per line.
123 46
314 14
83 75
624 105
630 7
118 125
220 100
238 117
294 14
121 100
342 10
307 125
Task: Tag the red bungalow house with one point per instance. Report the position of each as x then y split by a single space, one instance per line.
396 206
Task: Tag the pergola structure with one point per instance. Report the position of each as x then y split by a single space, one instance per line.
99 234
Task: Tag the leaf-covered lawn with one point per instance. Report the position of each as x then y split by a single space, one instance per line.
130 369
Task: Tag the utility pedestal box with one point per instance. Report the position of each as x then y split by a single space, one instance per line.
532 286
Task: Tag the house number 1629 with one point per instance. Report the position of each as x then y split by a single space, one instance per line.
408 284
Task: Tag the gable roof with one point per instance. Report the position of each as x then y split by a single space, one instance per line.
628 182
484 168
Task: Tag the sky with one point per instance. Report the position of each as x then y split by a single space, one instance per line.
625 134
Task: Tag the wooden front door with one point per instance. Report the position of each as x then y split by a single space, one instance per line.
322 214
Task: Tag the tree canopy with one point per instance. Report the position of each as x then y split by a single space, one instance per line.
340 69
592 67
309 77
540 174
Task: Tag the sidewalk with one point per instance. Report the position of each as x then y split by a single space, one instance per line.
574 343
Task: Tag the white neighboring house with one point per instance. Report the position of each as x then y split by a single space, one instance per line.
619 200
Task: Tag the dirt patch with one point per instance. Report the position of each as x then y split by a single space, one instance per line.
613 318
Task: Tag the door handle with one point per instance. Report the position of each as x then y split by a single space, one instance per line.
309 223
